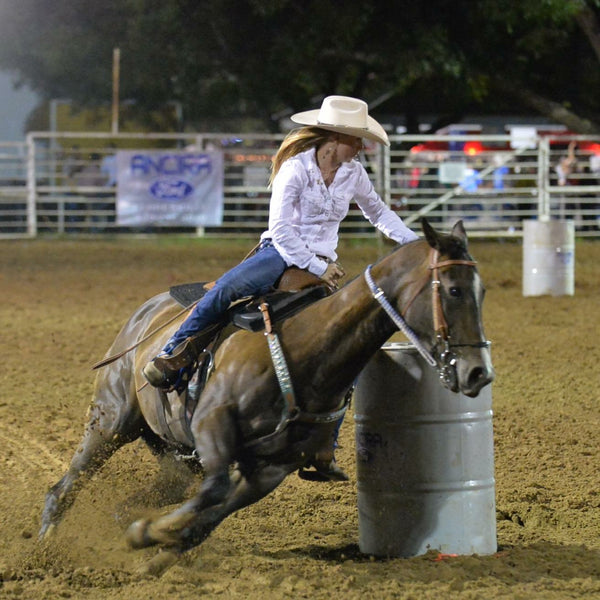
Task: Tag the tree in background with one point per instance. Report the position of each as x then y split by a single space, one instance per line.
252 62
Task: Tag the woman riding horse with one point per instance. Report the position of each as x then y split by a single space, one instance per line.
314 179
243 434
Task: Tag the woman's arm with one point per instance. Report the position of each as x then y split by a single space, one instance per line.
379 214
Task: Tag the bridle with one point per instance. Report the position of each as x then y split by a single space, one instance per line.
446 364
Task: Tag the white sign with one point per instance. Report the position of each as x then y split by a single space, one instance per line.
452 172
157 187
523 137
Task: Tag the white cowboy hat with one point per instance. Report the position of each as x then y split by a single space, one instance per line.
344 115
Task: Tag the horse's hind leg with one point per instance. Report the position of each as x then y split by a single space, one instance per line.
109 427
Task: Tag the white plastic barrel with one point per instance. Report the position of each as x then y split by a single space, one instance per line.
425 461
548 258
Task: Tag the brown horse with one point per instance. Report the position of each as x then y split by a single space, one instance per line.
245 435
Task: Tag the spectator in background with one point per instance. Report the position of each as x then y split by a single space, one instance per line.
566 165
471 181
500 171
71 165
108 167
565 169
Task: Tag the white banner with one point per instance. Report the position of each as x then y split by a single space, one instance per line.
157 187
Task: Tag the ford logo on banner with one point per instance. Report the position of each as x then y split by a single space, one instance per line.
167 189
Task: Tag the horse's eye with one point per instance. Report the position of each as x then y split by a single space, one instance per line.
455 292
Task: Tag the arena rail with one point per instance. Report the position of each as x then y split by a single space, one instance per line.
61 183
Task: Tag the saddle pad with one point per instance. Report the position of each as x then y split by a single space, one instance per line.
187 293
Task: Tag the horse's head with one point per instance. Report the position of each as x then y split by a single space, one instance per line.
446 314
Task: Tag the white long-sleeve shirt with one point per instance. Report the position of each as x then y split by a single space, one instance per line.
305 215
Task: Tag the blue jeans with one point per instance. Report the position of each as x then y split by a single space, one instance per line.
252 277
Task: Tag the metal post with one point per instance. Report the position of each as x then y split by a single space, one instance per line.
31 191
543 179
115 99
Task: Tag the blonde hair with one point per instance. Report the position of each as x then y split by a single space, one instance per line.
296 141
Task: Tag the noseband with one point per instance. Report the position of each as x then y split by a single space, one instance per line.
447 359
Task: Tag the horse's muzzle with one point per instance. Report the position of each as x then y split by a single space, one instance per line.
465 375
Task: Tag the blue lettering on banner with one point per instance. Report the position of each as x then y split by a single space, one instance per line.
171 164
167 189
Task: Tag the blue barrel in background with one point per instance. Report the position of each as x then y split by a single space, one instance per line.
424 459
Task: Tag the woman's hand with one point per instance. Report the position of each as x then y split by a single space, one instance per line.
332 275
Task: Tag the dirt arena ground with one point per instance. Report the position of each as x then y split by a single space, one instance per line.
62 302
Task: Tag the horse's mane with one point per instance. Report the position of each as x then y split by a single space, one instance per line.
449 244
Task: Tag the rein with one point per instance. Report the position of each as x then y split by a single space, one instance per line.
114 357
447 359
111 359
398 320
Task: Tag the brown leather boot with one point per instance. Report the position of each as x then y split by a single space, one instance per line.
159 375
164 370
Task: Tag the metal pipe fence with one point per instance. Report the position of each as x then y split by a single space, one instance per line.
61 183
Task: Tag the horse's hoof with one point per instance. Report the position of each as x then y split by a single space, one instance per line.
323 471
156 566
137 534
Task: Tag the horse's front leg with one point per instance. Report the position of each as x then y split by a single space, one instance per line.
245 491
194 527
215 444
170 530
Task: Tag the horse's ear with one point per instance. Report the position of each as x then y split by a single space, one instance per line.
459 231
436 241
431 235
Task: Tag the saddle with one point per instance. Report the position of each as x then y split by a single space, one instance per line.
295 290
